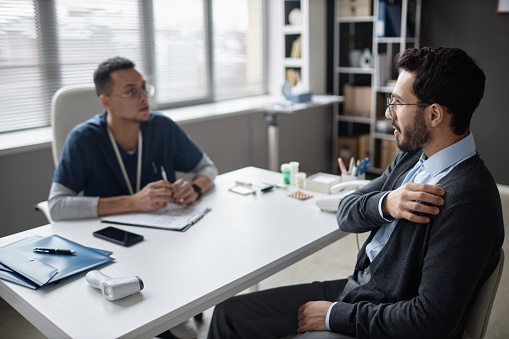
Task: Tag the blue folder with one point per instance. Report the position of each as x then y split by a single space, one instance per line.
21 265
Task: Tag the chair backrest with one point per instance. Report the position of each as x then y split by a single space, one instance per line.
479 316
43 207
70 106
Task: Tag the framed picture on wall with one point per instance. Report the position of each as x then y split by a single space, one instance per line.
502 6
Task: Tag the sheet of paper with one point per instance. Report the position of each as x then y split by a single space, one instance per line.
172 217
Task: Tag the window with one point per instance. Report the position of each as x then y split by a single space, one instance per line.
193 51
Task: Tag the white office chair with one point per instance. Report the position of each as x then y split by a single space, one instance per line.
70 106
479 316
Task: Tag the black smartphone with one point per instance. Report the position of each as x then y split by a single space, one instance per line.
118 236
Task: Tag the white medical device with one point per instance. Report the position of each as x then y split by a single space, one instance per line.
338 192
114 288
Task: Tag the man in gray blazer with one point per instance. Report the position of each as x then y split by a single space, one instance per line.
434 217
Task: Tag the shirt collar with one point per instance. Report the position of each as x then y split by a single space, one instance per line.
452 155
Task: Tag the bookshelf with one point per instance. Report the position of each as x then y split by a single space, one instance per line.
367 36
304 41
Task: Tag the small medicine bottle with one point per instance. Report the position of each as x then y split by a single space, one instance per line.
301 180
294 169
285 169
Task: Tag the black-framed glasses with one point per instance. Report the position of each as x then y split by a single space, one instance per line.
135 94
390 105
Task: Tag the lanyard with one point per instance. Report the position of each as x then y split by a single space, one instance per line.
121 162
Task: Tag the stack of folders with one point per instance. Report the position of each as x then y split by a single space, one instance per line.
21 265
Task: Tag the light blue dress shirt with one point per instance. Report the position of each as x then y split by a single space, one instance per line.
426 171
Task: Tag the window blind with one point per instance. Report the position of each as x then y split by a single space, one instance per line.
181 56
21 96
239 59
193 51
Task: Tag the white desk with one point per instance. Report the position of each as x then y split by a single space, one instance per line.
243 240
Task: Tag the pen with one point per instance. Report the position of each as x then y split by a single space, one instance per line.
342 166
54 251
243 183
364 165
352 166
163 173
195 219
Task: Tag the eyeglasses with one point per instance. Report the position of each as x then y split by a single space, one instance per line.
135 94
390 105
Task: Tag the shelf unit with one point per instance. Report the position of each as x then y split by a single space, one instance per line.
361 32
310 63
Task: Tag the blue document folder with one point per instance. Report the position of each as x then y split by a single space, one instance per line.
21 265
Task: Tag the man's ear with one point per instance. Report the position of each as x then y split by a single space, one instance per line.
436 113
104 101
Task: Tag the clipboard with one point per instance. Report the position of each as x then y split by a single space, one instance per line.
172 217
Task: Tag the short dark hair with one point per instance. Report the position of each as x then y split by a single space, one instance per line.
447 76
102 78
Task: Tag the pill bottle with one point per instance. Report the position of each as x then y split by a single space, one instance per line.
301 180
285 169
294 169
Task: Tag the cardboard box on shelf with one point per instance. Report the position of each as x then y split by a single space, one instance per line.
348 147
349 8
388 151
363 149
357 100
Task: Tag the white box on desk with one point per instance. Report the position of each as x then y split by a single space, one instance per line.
322 182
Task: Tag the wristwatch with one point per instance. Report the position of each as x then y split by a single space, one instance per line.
197 189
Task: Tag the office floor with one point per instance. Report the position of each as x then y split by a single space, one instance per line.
323 265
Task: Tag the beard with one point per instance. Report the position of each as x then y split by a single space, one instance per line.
416 135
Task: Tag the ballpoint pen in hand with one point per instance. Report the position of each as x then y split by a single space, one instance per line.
163 173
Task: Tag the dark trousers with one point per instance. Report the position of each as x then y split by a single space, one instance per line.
270 313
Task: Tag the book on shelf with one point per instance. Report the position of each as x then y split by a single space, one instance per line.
296 48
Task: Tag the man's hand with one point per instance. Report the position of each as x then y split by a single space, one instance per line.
153 196
312 316
183 192
400 203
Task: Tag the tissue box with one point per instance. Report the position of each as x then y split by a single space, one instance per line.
322 182
298 98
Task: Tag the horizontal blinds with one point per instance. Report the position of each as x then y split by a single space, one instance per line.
92 31
180 51
239 63
22 100
48 44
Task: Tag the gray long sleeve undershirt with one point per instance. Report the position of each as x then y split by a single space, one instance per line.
64 203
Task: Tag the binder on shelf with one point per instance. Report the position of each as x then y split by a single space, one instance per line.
380 23
21 265
389 19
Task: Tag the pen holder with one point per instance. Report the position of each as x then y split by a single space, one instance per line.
348 177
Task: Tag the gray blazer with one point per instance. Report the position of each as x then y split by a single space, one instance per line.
426 277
